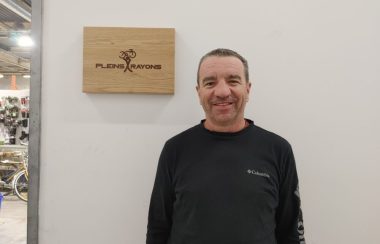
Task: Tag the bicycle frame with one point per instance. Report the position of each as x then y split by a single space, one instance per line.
10 181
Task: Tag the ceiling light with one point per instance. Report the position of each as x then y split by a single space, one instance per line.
25 41
1 76
26 76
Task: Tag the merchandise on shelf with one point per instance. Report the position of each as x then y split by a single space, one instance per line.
14 120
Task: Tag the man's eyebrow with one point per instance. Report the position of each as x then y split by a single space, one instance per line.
208 78
213 78
235 77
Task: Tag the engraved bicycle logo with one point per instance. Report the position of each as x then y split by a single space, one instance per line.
127 57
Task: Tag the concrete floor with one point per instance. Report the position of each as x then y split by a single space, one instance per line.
13 221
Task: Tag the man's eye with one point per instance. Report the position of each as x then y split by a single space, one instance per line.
208 84
234 82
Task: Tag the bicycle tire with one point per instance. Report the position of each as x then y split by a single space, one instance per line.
20 185
132 53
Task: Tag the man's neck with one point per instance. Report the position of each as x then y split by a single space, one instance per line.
231 128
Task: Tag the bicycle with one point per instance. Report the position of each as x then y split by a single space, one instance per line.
14 177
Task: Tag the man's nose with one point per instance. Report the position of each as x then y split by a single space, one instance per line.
222 89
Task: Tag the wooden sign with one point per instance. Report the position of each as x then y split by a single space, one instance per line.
128 60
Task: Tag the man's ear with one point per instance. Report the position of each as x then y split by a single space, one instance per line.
248 91
249 87
199 97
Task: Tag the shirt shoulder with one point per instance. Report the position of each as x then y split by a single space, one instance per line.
185 136
271 138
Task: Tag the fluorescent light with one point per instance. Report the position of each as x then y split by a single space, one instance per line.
26 76
1 76
25 41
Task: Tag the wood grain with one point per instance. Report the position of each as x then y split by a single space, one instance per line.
149 51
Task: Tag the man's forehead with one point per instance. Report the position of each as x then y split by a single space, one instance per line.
214 65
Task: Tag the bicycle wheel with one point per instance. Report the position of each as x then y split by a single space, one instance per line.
20 185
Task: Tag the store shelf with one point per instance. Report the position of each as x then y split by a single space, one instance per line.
13 147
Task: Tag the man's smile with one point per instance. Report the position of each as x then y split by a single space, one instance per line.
223 104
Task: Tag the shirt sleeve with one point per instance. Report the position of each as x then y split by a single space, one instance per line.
161 203
289 220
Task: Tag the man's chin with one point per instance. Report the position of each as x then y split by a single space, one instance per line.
223 120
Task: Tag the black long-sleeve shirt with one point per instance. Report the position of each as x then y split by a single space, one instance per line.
226 188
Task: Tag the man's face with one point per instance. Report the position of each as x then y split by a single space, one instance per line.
223 90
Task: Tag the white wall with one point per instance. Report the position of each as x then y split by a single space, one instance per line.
315 68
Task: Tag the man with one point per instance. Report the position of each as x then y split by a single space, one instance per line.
225 180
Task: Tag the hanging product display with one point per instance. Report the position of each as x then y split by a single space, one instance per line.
14 116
